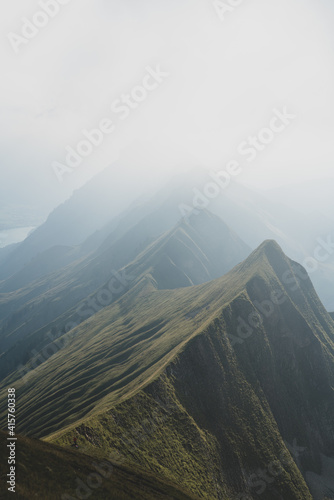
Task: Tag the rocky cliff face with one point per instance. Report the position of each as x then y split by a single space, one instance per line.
246 408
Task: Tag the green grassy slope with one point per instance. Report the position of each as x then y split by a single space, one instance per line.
203 438
125 345
46 471
224 399
195 251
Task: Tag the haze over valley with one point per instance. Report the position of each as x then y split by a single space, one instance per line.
167 250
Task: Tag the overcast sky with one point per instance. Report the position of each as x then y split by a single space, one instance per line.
226 75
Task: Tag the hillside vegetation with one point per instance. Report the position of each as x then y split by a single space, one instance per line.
50 472
178 381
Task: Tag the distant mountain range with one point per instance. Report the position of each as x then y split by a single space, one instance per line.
191 365
82 225
193 252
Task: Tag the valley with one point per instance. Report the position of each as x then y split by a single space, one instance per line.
175 353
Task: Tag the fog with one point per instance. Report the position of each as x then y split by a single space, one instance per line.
220 79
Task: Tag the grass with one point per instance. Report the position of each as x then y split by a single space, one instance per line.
48 471
153 380
106 361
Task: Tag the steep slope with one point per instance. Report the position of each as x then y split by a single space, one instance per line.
26 306
254 216
85 212
257 216
141 223
217 378
197 250
48 471
89 218
194 252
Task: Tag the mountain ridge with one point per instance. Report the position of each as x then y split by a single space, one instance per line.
225 365
191 253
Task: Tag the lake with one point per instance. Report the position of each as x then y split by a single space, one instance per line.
9 236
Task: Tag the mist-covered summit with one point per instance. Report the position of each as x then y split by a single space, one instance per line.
81 225
249 354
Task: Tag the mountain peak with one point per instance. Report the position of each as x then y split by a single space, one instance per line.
270 245
269 251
